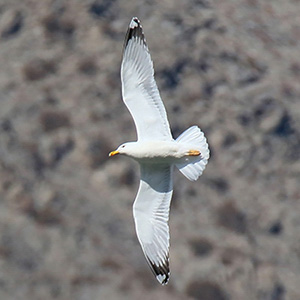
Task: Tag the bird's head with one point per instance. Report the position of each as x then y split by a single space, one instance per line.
126 148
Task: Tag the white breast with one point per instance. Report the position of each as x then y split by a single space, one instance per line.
157 151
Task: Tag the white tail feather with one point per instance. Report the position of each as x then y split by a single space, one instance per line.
193 166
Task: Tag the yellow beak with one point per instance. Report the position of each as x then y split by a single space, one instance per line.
113 153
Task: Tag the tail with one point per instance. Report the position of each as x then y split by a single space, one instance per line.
193 166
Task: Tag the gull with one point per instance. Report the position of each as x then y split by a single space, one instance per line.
155 150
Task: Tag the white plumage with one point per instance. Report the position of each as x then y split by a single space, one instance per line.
155 150
139 89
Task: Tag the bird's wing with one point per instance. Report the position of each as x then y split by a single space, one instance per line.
139 89
151 215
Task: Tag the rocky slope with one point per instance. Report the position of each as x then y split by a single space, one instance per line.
66 227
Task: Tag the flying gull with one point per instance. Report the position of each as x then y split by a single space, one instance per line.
155 150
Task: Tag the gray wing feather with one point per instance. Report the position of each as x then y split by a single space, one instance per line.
151 215
139 89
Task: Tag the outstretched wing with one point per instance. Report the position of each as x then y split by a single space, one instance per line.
151 215
139 89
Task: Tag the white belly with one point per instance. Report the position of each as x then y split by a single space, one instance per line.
158 151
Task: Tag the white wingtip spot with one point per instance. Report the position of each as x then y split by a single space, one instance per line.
161 279
134 22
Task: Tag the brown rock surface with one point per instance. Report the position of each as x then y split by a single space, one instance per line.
66 228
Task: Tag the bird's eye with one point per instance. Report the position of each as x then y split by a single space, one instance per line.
123 146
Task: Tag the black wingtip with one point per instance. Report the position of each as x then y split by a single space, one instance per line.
161 272
135 22
134 30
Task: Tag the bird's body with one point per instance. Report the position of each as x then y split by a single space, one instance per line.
161 151
155 150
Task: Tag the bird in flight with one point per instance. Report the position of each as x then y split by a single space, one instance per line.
155 150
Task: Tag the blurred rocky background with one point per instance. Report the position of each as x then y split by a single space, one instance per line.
66 227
